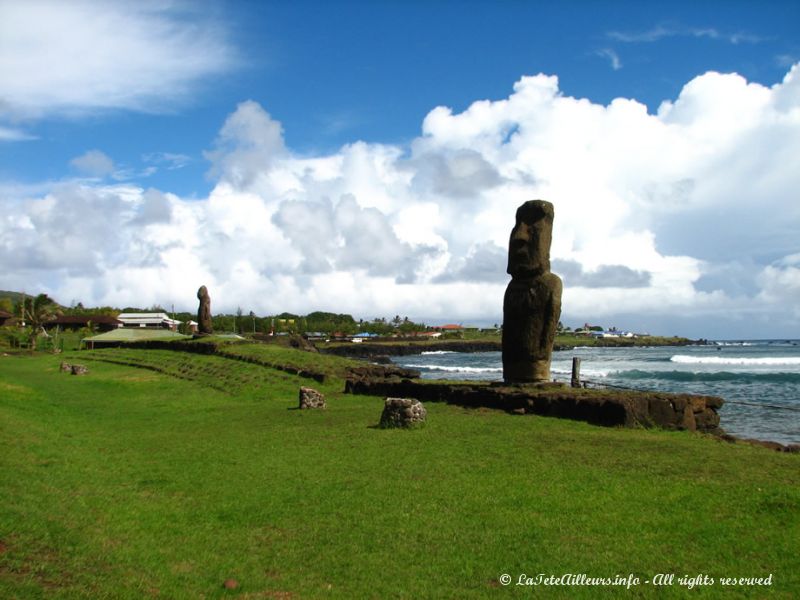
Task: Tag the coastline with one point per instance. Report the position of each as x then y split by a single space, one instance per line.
395 347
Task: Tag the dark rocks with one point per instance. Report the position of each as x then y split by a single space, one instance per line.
311 398
204 312
381 372
532 302
777 447
74 369
600 407
402 412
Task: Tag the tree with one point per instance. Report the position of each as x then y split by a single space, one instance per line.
36 312
6 305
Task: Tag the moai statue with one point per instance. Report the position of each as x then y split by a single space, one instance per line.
532 304
204 311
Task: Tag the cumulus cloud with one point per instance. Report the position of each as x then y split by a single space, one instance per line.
692 210
604 276
347 237
462 174
94 163
84 55
484 262
248 144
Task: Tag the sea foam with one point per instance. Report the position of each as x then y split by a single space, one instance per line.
458 369
772 361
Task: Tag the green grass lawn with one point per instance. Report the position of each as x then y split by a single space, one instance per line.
131 483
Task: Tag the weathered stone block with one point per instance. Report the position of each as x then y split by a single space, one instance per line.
311 398
402 412
66 367
79 370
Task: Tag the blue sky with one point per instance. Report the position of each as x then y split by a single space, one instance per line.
287 154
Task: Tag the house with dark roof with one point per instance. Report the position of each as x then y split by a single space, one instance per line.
75 322
5 318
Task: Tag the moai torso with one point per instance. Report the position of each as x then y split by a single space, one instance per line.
532 302
204 311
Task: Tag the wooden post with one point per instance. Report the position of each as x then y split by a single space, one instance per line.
576 372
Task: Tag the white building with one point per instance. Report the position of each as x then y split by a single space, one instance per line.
149 320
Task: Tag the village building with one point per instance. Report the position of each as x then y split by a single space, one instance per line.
449 328
148 320
74 322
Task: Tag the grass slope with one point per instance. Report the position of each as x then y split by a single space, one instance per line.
131 483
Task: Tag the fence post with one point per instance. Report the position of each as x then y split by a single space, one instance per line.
576 372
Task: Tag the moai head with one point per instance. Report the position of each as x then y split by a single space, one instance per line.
529 246
202 293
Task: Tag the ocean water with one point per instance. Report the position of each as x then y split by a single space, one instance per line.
759 379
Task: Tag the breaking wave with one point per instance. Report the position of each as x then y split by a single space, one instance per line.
457 369
772 361
690 376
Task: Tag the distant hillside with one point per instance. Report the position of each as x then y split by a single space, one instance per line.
17 296
14 296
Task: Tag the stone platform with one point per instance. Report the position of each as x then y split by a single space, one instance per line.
597 406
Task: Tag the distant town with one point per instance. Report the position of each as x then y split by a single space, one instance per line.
33 320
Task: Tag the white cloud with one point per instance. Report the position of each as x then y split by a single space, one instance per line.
660 32
84 55
169 160
612 57
690 211
11 134
248 144
94 163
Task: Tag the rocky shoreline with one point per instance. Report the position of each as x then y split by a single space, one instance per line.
599 407
605 407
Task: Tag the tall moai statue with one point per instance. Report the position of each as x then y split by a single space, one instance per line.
204 311
532 303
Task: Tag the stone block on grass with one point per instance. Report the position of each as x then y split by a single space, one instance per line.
79 370
402 412
311 398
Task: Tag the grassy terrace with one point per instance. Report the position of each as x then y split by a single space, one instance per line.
166 478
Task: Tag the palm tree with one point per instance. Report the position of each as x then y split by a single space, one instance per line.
38 311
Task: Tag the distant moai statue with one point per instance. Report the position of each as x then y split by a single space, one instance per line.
204 311
532 303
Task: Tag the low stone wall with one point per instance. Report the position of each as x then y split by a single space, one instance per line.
599 407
